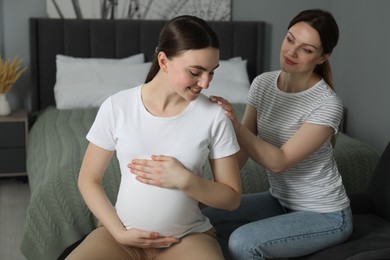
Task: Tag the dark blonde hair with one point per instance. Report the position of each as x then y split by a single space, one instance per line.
182 33
326 26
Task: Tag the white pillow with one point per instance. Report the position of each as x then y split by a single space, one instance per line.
83 82
230 81
233 69
234 92
134 59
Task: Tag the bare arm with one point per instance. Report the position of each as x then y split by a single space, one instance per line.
92 170
249 121
91 175
304 142
225 191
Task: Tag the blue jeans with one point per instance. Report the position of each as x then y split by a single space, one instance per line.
261 228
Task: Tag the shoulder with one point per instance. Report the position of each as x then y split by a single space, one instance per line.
120 99
125 94
328 107
208 110
125 97
203 102
263 84
328 95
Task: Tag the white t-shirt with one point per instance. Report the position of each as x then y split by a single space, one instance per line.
199 132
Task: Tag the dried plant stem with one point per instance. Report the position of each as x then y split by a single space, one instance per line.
10 71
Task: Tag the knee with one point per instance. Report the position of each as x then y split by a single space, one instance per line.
235 242
241 246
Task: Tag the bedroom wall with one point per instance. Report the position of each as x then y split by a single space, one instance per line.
360 61
1 29
15 41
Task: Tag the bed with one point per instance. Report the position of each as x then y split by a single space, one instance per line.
57 216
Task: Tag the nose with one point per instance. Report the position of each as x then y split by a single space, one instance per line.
292 51
204 81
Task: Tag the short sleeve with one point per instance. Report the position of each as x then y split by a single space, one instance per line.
224 142
328 113
102 132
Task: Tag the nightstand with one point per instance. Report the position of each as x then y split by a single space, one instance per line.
13 144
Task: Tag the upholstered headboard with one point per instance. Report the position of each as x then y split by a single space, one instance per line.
122 38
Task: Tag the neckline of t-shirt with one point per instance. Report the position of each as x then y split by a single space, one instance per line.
146 112
304 92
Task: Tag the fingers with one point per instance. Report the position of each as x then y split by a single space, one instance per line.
215 99
160 158
162 171
225 105
161 241
141 166
146 171
145 177
150 162
154 239
145 239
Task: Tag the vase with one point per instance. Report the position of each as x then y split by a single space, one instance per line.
5 108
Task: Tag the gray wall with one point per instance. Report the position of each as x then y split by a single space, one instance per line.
15 42
1 29
360 61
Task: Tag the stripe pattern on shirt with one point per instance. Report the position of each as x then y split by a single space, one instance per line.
315 183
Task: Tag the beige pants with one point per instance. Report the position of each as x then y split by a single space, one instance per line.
101 245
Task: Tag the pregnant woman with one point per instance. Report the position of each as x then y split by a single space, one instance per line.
162 131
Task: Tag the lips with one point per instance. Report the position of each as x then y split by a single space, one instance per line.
195 91
289 62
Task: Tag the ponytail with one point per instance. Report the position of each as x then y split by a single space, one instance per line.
325 71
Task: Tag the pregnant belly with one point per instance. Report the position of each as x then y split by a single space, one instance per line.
168 211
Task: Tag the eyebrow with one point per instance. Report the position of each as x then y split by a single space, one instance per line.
306 44
202 68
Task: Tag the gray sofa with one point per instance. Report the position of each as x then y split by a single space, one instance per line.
371 212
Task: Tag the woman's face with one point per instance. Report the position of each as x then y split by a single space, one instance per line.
301 49
192 71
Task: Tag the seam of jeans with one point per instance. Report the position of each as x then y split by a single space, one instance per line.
341 228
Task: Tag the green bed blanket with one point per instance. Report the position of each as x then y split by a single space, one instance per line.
57 216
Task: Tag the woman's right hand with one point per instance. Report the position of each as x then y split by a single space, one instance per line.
145 239
229 111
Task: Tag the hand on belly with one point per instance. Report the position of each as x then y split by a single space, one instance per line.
167 211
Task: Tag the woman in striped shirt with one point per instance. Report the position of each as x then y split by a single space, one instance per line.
288 127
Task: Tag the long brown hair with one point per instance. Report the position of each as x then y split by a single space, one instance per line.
182 33
325 24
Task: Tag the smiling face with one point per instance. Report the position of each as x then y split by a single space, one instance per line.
192 71
301 49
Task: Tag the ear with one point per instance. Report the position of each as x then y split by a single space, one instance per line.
324 57
162 61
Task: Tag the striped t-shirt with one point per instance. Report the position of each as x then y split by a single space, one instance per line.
315 183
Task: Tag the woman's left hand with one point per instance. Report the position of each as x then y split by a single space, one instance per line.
162 171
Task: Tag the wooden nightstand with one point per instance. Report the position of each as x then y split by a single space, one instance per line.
13 144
